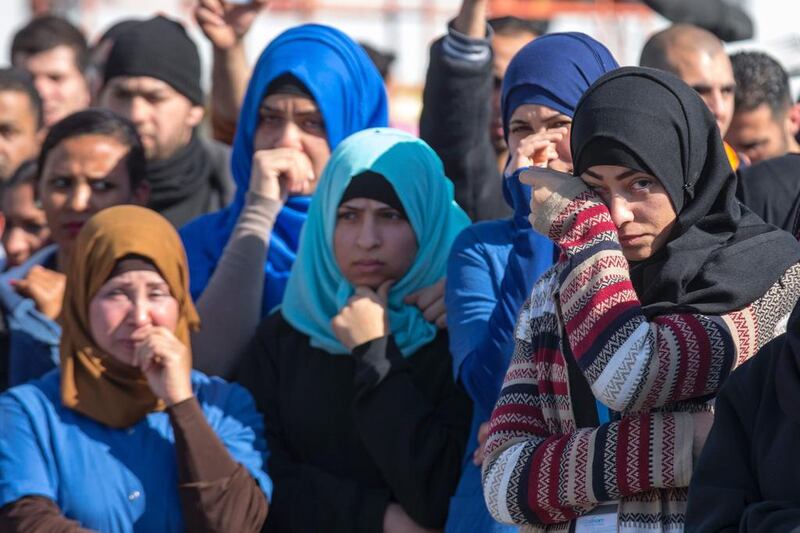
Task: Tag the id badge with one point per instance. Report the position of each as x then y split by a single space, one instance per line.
601 520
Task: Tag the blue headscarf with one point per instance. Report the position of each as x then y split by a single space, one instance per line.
317 290
554 71
351 96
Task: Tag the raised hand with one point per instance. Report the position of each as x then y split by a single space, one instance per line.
430 300
365 316
225 24
45 287
281 172
165 362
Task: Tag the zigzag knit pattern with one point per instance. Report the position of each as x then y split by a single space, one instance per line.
541 471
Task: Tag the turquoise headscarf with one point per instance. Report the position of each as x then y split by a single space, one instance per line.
317 290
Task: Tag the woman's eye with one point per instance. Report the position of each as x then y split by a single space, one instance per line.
346 215
392 215
521 129
61 183
314 126
102 186
641 184
560 124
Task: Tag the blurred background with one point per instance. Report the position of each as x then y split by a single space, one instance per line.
406 28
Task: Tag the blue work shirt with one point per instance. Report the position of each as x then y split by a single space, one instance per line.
108 479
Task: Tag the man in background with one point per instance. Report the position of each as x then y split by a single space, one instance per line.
152 78
697 57
21 121
765 120
55 54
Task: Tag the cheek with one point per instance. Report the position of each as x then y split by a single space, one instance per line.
404 250
317 150
104 318
342 244
264 138
165 313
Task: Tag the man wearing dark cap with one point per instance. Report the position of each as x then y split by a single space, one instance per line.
152 77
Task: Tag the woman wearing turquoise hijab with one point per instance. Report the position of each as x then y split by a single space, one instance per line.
366 426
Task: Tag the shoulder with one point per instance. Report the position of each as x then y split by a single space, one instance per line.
221 399
749 383
491 237
38 399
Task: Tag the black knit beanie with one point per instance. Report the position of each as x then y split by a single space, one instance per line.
159 48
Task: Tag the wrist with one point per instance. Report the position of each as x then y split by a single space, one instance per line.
178 397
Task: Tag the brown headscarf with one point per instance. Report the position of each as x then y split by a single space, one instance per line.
92 382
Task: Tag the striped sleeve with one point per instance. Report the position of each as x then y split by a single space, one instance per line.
632 363
535 473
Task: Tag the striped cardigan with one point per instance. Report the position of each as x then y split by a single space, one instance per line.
543 471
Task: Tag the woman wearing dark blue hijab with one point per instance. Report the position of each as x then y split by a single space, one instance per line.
312 87
494 264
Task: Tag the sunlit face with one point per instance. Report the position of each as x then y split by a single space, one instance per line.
504 48
291 121
639 205
128 303
59 80
81 176
758 134
19 139
372 242
711 75
529 119
163 117
26 225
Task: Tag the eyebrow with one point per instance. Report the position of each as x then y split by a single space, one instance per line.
620 176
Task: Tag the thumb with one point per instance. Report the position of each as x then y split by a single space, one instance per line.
383 290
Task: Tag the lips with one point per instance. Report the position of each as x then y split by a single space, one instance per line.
368 265
629 240
73 228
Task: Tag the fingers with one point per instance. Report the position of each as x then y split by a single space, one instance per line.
204 15
441 322
383 290
434 310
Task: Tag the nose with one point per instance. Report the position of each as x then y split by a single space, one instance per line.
369 234
80 198
44 86
715 103
140 311
138 110
620 210
289 136
16 245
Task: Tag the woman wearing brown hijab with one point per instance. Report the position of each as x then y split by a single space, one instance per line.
125 436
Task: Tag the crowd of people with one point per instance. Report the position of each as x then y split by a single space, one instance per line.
569 305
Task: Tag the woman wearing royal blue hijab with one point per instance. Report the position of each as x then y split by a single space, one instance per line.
312 87
367 426
493 265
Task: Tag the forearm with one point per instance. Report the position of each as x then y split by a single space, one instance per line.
631 362
36 514
229 77
230 306
216 492
471 19
589 463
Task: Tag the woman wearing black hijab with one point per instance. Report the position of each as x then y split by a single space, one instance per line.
664 285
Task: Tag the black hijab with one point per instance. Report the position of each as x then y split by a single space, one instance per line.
771 189
720 257
787 367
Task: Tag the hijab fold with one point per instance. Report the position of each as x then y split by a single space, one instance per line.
93 382
720 257
351 96
317 290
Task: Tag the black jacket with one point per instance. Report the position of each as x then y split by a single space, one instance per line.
347 435
748 476
456 108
